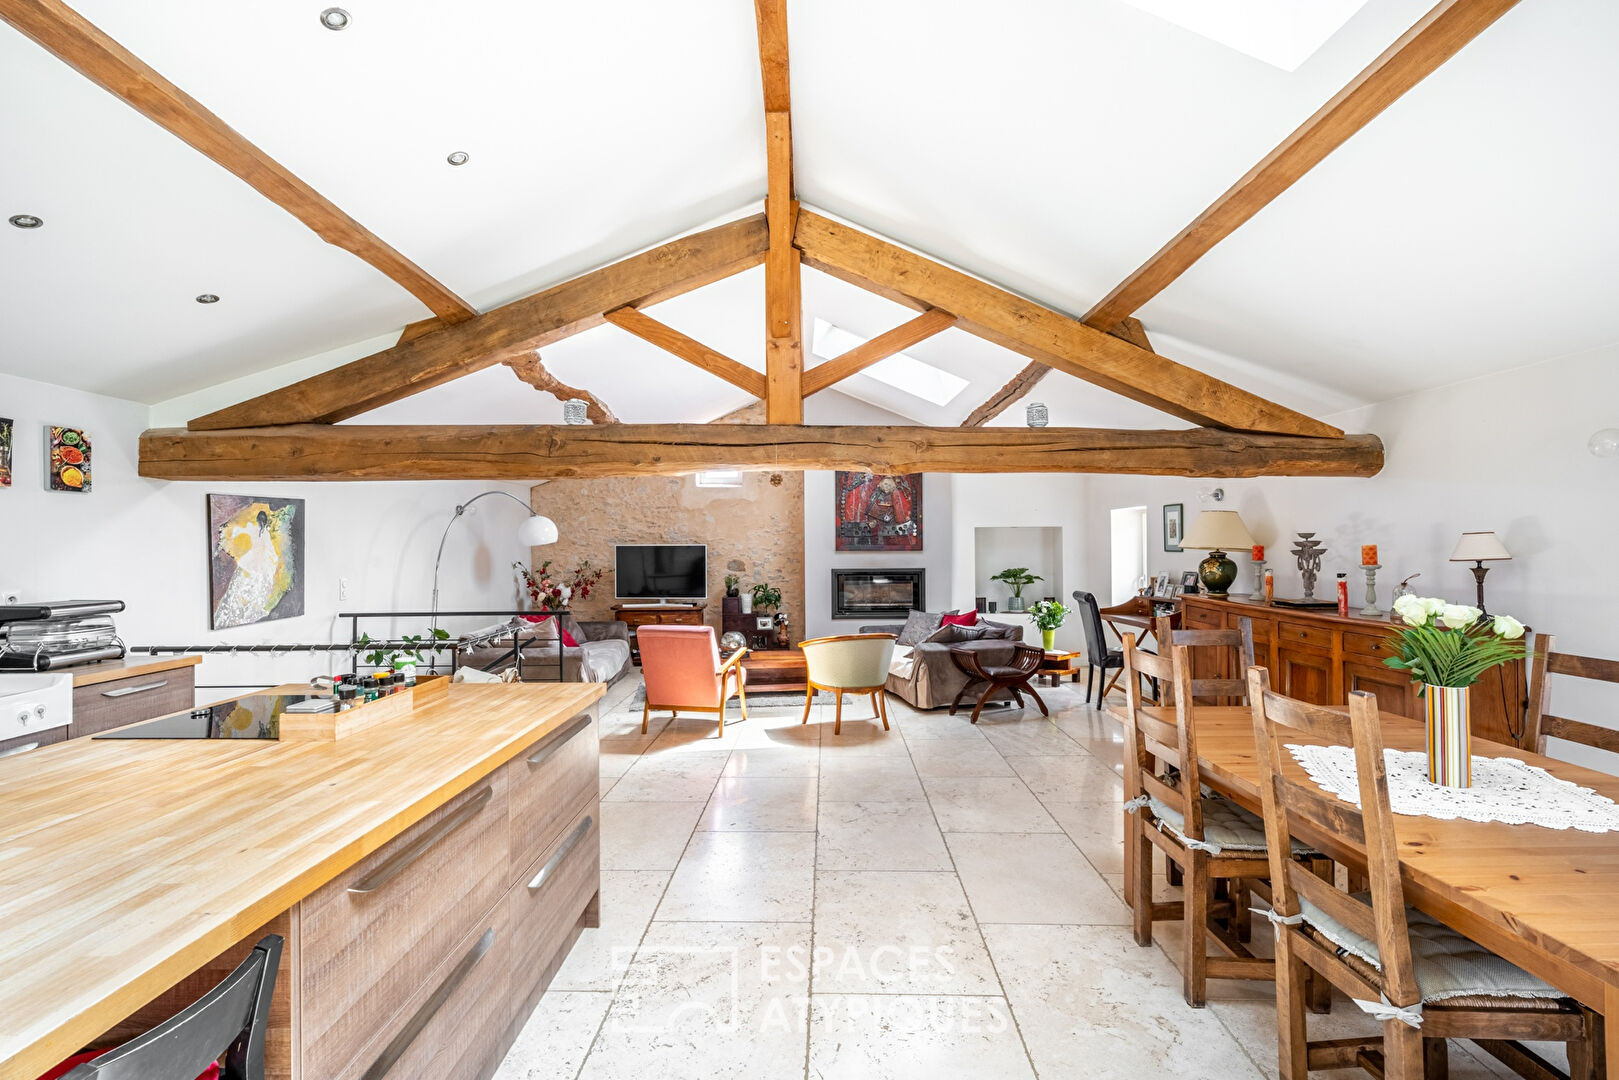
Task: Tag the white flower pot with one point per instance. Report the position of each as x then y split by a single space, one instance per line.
747 603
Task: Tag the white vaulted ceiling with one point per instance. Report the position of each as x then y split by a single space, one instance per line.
1048 145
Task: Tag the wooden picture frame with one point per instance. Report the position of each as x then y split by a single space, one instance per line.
1174 526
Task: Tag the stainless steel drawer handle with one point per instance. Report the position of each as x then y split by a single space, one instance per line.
555 744
125 691
568 845
424 1015
23 749
419 846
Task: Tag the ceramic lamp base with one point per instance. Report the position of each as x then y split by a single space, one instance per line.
1217 572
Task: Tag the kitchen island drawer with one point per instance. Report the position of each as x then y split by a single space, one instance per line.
372 936
105 705
453 1026
546 904
547 784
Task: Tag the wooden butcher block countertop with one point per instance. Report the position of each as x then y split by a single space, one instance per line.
126 865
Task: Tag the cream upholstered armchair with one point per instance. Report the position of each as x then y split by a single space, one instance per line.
852 663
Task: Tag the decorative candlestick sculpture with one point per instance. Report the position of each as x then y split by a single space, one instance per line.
1309 551
1371 607
1258 595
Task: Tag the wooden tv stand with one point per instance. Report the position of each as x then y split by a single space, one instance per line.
635 616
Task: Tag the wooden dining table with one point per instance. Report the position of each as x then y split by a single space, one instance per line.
1545 899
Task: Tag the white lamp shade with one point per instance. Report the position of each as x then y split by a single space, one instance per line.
1217 530
537 531
1479 547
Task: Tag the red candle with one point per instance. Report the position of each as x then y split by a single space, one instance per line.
1368 554
1258 554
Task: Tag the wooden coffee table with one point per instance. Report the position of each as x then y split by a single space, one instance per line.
776 671
1056 665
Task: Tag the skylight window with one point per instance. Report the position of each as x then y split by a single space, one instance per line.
1282 33
905 373
720 478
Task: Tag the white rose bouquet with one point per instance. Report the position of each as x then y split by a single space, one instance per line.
1447 644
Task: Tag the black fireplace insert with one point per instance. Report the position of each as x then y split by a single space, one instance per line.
873 593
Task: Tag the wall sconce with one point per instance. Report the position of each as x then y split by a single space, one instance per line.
1604 444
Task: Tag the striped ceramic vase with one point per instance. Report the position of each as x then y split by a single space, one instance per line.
1450 748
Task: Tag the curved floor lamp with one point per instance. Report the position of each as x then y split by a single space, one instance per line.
535 531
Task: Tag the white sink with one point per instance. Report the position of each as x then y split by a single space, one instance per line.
31 703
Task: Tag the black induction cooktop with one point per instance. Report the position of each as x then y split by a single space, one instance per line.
257 716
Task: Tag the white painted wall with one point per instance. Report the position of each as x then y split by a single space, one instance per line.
146 541
1503 452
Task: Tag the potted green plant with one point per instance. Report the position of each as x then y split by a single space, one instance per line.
1017 577
1445 647
1048 616
405 660
765 597
731 581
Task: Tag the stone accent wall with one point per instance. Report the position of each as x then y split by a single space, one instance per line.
755 531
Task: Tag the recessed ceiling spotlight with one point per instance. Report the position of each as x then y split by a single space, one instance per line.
26 221
207 298
457 158
334 18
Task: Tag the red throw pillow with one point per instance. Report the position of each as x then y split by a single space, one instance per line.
966 618
567 638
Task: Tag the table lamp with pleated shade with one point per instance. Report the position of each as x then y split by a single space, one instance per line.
1217 531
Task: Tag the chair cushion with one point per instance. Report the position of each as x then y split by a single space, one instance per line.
1226 826
1448 965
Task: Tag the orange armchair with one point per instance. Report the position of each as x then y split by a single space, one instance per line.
683 671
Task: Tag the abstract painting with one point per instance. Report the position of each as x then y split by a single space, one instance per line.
878 511
68 462
256 555
5 452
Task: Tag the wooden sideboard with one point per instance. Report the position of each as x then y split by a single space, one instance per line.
661 615
1319 656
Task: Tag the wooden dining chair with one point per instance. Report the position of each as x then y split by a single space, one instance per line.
1425 982
1218 846
1230 652
1541 724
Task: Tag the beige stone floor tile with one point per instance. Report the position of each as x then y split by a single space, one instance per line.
1096 828
1032 878
761 804
775 761
879 836
675 777
869 778
1069 779
553 1043
743 877
709 1001
1090 1004
1030 738
986 804
950 757
598 959
887 932
646 835
906 1037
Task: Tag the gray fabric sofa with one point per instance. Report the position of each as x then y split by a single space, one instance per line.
933 679
602 655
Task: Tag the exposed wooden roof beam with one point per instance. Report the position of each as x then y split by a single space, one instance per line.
1024 381
437 356
363 452
77 42
784 306
1042 334
533 371
1420 51
879 348
688 349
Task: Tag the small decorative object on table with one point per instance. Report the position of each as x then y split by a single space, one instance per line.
730 584
1048 616
1257 556
1309 551
733 641
1343 595
1189 581
1035 414
765 597
1016 577
1217 531
1446 647
1370 570
1479 548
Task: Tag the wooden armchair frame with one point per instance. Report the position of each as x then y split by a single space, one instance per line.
731 682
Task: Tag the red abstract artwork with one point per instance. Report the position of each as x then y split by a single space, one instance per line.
879 511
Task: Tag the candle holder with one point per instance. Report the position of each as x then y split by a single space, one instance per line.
1258 595
1371 607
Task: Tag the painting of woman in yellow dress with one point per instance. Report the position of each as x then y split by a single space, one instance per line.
257 556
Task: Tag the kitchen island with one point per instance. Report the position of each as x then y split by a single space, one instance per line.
429 876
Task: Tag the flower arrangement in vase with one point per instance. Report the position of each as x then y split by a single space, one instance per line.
552 593
1445 647
1049 615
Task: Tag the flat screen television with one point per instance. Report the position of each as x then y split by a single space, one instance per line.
660 571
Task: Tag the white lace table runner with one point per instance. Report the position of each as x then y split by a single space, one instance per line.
1504 789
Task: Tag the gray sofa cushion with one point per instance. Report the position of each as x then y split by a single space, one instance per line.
918 626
